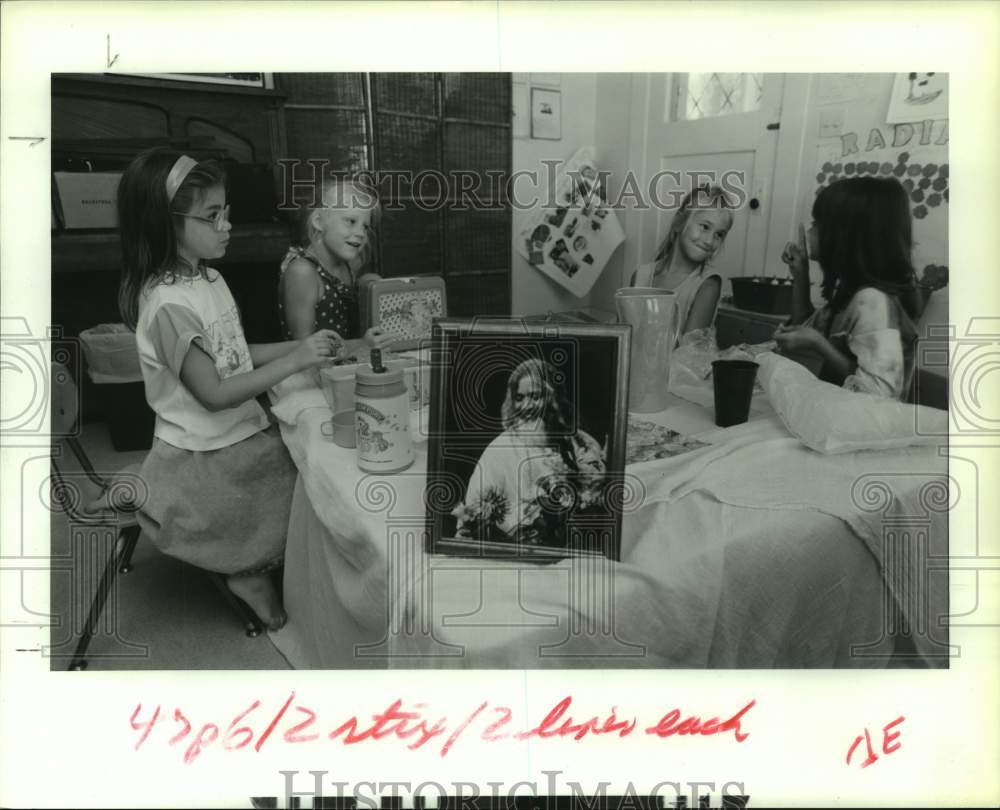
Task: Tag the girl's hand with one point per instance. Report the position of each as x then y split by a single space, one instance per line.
320 348
796 338
934 278
376 338
796 256
360 348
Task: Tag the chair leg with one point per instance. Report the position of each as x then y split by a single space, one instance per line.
131 535
88 468
250 621
79 662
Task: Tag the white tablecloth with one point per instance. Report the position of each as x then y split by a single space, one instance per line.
753 552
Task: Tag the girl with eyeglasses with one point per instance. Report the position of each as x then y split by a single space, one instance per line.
220 479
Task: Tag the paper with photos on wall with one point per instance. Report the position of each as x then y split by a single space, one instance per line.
572 242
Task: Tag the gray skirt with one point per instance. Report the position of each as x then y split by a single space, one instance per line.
222 510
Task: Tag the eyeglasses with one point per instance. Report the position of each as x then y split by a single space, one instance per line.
218 221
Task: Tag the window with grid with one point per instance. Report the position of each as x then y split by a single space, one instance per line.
415 122
709 95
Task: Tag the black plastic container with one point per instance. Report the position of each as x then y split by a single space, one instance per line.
130 419
732 384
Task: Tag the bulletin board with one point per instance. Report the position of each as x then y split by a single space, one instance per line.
916 155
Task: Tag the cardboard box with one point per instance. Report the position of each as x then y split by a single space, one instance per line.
88 199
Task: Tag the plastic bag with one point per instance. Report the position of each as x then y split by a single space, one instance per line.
691 363
111 352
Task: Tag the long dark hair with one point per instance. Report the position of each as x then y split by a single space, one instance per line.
865 239
149 222
556 407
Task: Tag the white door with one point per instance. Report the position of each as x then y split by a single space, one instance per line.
712 123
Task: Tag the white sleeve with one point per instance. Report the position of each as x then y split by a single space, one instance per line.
876 344
172 330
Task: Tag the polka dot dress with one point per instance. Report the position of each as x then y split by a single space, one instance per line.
337 308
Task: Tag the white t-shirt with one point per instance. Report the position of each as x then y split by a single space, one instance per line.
171 316
876 330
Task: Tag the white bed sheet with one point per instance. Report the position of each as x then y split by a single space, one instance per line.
755 552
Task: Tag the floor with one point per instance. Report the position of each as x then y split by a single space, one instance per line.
163 614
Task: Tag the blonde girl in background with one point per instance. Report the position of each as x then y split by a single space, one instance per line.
696 234
318 287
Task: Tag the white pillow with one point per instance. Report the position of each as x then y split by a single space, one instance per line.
831 419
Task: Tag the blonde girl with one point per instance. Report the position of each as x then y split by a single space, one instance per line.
318 287
696 234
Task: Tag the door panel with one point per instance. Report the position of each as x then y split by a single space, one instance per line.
742 141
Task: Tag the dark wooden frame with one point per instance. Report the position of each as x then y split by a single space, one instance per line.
266 79
446 334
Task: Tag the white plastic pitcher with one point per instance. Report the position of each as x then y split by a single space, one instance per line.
652 313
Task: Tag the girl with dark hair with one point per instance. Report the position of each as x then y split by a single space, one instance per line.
534 463
861 235
695 236
220 480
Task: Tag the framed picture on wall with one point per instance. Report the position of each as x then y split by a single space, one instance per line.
263 80
527 440
546 114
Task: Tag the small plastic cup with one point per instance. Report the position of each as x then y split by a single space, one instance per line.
344 433
338 387
733 383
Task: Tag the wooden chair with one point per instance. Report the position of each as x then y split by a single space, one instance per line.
115 506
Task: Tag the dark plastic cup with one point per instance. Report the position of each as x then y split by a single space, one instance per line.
733 382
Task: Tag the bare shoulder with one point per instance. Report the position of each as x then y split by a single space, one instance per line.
710 289
300 270
712 284
301 277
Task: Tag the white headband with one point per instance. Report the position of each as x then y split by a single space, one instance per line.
177 174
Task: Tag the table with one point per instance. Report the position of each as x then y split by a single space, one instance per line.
716 570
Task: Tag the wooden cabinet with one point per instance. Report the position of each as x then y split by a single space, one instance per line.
118 116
